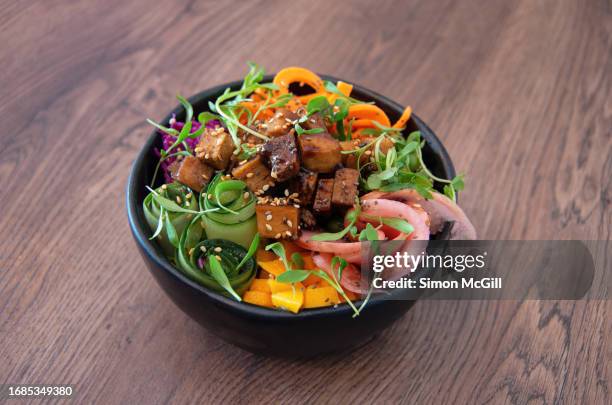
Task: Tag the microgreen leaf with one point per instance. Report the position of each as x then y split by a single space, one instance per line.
458 182
368 233
169 205
279 250
206 116
216 271
171 231
297 260
351 216
170 131
337 260
293 276
160 224
252 250
187 106
301 130
317 104
399 224
327 236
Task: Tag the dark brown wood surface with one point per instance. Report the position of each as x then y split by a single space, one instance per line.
519 91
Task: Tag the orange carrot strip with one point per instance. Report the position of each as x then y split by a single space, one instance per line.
344 88
401 122
298 75
369 112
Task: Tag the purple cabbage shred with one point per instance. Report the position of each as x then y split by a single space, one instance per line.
168 140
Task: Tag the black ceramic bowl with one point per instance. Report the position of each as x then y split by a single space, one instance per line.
259 329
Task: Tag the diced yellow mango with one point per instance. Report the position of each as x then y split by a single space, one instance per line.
275 286
259 298
275 267
260 285
291 300
316 297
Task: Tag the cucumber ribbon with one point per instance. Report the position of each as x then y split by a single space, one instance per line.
218 264
168 210
234 218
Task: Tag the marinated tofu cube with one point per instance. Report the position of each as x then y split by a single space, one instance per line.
350 159
255 174
307 219
346 187
320 152
280 124
323 198
277 222
305 184
282 157
192 172
215 148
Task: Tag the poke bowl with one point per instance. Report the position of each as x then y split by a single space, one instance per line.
207 231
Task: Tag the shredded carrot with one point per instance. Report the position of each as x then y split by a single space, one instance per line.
401 122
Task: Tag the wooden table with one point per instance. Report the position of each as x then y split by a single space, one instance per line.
518 91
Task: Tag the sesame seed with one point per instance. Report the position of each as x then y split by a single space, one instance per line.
286 193
268 227
249 175
188 196
288 233
269 217
178 199
277 236
368 152
274 175
164 186
296 205
218 249
209 196
218 257
246 195
289 223
265 187
203 248
207 156
191 251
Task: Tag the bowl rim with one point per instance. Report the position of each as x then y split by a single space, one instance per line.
139 228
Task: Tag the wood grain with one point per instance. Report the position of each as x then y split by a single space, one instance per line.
519 91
